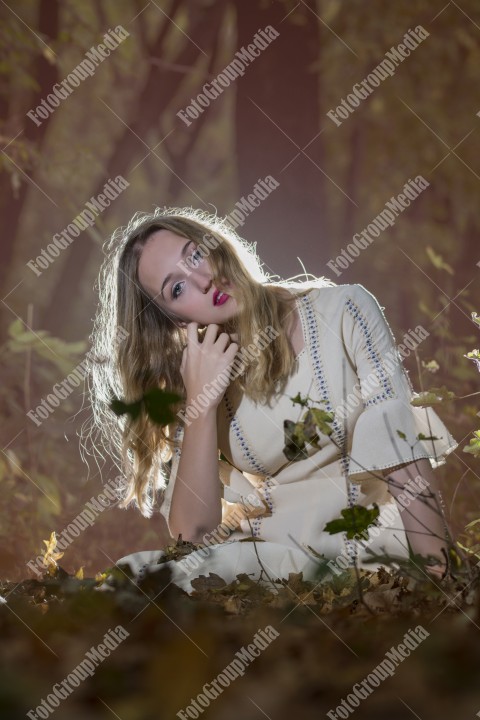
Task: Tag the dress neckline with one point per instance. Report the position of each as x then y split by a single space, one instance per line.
298 303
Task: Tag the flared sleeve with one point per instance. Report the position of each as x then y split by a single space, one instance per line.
387 431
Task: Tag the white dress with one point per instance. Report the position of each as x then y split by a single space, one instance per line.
350 362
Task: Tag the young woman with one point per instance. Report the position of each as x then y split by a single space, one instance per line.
200 317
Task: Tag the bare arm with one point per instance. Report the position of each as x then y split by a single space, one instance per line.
423 519
196 506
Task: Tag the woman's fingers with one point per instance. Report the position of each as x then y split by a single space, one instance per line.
211 333
211 336
205 359
192 332
223 342
436 570
184 360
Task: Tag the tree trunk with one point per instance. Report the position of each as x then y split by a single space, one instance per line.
159 88
12 198
283 84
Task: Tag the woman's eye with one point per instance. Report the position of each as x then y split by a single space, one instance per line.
197 257
175 294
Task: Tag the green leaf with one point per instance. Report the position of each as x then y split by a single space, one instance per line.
294 443
157 405
438 261
52 352
476 318
474 445
16 328
323 419
299 400
472 523
155 402
121 408
298 434
432 366
421 436
434 396
474 355
309 431
354 520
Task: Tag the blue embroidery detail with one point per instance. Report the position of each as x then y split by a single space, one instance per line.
257 467
319 374
338 430
372 355
178 432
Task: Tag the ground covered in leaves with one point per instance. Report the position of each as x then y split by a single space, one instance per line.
324 639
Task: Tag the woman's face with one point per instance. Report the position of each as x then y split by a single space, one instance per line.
183 288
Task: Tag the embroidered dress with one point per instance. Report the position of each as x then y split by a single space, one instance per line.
350 367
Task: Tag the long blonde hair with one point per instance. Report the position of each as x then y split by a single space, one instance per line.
150 353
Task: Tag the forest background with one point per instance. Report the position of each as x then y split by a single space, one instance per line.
334 177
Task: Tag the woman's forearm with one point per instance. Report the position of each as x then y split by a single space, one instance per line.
423 519
196 505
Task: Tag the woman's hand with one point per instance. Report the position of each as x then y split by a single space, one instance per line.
423 519
203 362
436 572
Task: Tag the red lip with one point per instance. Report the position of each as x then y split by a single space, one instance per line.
215 296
